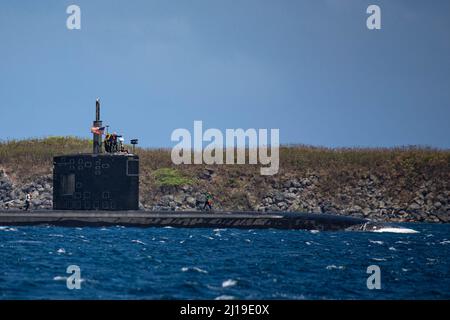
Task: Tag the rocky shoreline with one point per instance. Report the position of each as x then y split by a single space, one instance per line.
303 195
366 197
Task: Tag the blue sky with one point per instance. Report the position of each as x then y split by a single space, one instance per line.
310 68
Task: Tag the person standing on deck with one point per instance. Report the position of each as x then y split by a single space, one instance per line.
208 201
27 201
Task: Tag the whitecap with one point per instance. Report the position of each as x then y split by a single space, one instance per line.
331 267
392 249
60 278
8 229
376 241
211 287
138 241
61 250
229 283
224 297
445 242
308 243
378 259
197 269
168 227
26 241
396 230
314 231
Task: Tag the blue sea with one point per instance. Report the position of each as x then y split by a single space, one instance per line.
171 263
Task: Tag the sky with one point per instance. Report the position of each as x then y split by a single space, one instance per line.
311 69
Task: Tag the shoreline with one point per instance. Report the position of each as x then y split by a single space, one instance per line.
409 184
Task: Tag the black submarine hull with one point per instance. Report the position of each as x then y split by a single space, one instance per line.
187 219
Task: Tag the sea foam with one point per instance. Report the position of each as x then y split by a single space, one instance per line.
396 230
229 283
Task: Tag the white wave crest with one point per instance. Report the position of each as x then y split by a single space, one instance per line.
378 259
7 229
185 269
224 297
229 283
62 278
396 230
331 267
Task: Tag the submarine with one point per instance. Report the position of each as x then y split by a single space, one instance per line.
102 189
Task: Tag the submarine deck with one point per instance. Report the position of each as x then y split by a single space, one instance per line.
184 219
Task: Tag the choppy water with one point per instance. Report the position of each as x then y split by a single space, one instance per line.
169 263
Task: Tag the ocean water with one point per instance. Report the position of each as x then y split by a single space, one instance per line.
170 263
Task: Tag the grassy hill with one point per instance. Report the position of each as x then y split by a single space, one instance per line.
408 183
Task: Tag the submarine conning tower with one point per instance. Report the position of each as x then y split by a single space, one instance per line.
97 181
